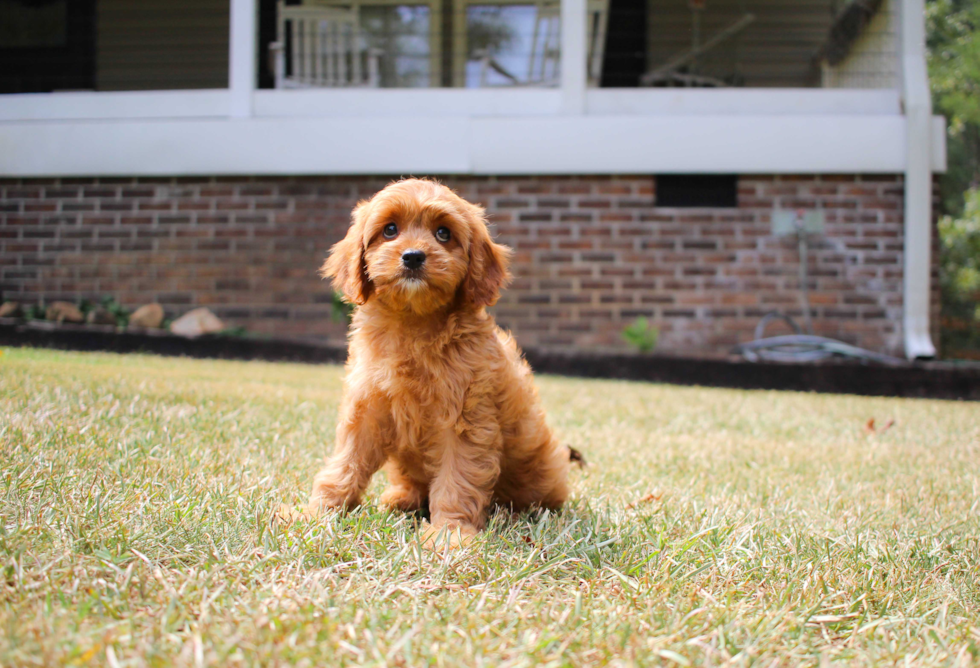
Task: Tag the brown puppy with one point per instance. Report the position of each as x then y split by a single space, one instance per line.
435 392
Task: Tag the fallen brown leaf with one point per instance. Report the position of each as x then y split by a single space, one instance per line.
653 496
870 428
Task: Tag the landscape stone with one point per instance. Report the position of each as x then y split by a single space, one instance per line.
149 315
10 310
64 312
196 323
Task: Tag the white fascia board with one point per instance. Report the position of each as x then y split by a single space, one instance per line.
394 102
245 146
208 103
457 145
693 144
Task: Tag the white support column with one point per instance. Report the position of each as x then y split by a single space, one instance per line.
574 53
242 56
918 182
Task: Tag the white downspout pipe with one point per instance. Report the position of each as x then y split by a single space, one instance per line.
917 275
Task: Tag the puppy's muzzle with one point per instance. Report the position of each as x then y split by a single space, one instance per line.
413 259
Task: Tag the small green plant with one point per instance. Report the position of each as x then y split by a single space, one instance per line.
959 279
340 310
118 311
33 312
641 335
85 306
236 332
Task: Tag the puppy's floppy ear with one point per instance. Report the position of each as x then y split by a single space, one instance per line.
346 262
487 272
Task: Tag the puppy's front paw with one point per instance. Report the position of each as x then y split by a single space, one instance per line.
290 514
321 504
328 497
448 536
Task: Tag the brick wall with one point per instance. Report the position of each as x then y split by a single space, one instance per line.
591 253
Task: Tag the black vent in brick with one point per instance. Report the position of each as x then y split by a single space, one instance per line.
697 190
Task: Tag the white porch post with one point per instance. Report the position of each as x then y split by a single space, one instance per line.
918 182
242 56
574 52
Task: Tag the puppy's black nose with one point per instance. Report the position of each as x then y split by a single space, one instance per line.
413 259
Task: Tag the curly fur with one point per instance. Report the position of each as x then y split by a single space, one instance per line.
434 391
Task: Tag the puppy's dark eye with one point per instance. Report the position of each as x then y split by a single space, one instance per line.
390 231
442 234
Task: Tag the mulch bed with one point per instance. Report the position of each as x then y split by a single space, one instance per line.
161 342
938 380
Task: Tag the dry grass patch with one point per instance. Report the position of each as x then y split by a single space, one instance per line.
712 527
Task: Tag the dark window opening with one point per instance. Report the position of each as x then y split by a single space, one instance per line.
624 60
72 45
47 45
697 190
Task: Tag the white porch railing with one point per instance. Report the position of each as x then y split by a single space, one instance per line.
569 129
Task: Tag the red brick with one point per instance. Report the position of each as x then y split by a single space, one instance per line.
592 241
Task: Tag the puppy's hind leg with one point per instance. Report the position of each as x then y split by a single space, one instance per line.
539 480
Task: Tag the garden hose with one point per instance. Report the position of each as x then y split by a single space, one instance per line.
800 346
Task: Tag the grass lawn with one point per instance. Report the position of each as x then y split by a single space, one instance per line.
712 526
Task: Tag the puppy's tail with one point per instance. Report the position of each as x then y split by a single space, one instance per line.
576 457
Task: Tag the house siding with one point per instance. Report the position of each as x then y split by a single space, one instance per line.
161 44
873 58
778 49
591 254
